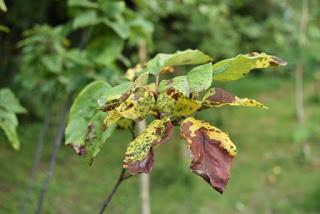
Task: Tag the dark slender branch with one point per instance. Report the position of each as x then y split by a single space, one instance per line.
53 158
36 161
123 176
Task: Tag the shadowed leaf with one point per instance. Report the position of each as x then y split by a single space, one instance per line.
139 154
217 97
211 151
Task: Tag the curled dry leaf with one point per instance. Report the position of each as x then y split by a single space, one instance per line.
217 97
211 150
139 156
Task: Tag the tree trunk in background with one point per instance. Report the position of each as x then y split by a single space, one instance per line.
299 73
140 126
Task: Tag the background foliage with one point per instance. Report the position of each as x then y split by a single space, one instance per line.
55 51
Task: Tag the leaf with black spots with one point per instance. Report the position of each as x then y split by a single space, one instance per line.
211 151
218 97
139 156
173 102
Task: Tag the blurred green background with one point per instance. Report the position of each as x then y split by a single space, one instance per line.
50 49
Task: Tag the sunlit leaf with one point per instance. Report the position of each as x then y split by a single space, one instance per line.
9 123
139 156
179 83
217 97
187 57
3 6
142 80
137 105
85 19
175 103
200 78
211 150
111 119
237 67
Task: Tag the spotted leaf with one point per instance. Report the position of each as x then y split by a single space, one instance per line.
217 97
200 78
175 103
112 118
139 156
179 83
187 57
211 151
137 105
237 67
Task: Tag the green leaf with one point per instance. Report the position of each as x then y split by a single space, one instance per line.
237 67
142 80
139 155
9 123
84 112
3 6
187 57
4 28
119 26
82 3
179 83
9 102
85 19
218 97
200 78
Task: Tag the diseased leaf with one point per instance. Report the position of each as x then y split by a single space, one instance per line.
179 83
175 103
85 124
237 67
139 154
211 151
112 98
137 105
218 97
112 118
200 78
187 57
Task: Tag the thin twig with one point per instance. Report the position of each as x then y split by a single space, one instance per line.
36 161
53 158
121 178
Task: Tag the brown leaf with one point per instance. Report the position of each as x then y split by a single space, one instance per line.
211 151
139 156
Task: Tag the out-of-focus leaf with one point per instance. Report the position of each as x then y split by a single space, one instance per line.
179 83
142 80
10 102
119 26
3 6
82 3
200 78
139 156
84 115
85 19
105 49
217 97
187 57
175 103
9 123
111 119
237 67
137 105
211 150
4 28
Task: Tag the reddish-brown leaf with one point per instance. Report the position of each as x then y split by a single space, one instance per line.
211 151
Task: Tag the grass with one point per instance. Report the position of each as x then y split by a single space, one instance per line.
268 175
